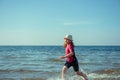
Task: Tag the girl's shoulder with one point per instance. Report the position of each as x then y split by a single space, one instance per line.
71 45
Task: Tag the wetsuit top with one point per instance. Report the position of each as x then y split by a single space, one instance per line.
70 48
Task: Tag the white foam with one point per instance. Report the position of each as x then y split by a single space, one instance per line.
91 76
100 76
67 78
54 79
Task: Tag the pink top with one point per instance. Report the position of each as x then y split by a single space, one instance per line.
69 48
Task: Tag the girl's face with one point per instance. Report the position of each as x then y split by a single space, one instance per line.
67 41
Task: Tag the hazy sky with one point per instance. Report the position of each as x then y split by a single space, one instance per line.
46 22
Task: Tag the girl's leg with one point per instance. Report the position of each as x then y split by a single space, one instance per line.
81 74
63 72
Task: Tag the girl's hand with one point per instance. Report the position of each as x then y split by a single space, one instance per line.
62 57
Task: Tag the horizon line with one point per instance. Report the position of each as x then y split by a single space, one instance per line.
58 45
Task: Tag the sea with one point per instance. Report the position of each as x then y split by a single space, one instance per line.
43 62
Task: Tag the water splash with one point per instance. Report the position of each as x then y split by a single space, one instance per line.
94 76
68 78
91 76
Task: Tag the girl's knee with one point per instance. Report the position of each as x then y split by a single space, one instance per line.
64 69
77 73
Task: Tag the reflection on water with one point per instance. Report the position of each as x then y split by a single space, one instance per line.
43 63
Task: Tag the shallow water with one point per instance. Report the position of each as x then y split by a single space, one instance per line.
43 63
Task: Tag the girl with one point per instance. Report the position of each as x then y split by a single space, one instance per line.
71 58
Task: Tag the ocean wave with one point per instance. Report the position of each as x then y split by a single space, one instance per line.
7 79
91 76
94 76
67 78
18 70
32 79
106 74
90 63
54 60
108 71
22 79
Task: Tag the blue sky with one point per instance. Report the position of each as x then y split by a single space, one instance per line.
46 22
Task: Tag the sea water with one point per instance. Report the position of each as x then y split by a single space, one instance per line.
43 63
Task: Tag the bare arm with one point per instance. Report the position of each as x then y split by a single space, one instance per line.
68 55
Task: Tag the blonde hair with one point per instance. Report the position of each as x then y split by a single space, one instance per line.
65 44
